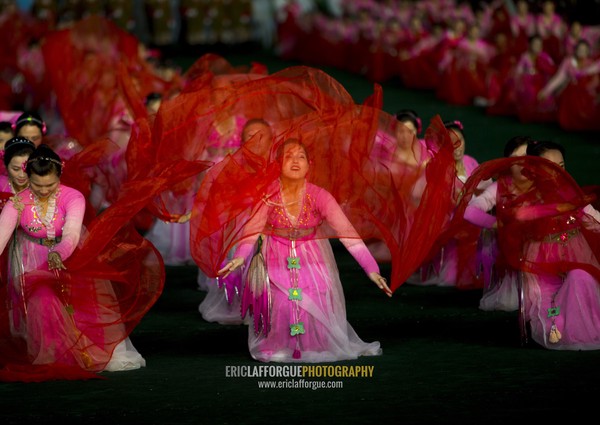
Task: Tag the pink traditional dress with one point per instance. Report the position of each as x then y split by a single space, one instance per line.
576 86
59 325
548 233
419 64
523 26
449 266
577 32
308 315
465 77
552 28
531 75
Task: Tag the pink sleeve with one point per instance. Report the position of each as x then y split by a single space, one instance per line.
251 231
479 218
8 222
477 210
71 231
336 218
560 77
362 255
591 211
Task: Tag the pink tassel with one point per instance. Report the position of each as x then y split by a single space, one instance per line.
297 354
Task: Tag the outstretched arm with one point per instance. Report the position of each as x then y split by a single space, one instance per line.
354 244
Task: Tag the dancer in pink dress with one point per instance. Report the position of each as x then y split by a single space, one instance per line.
464 72
523 26
14 155
305 318
552 28
31 126
57 322
576 86
533 71
547 232
500 281
455 258
222 301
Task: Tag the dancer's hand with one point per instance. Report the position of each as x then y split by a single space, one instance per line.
184 218
230 266
381 282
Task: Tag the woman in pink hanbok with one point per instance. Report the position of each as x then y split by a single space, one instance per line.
549 233
222 301
57 322
454 261
14 154
500 290
522 25
578 31
31 126
300 315
552 28
465 70
531 74
576 86
419 63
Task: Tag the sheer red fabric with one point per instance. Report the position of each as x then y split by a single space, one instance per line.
549 208
84 64
341 137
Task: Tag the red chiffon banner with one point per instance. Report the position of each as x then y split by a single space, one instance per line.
551 207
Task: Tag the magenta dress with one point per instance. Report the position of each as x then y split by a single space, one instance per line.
569 300
575 294
37 312
308 316
530 76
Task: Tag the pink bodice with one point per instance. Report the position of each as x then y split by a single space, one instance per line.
65 222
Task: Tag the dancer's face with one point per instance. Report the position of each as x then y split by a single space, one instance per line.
16 174
516 169
31 132
458 140
555 156
257 129
43 186
294 164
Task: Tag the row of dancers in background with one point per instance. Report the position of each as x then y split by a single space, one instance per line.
511 59
239 162
522 59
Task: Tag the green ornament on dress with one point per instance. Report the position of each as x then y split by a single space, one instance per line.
293 263
297 328
295 294
553 311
